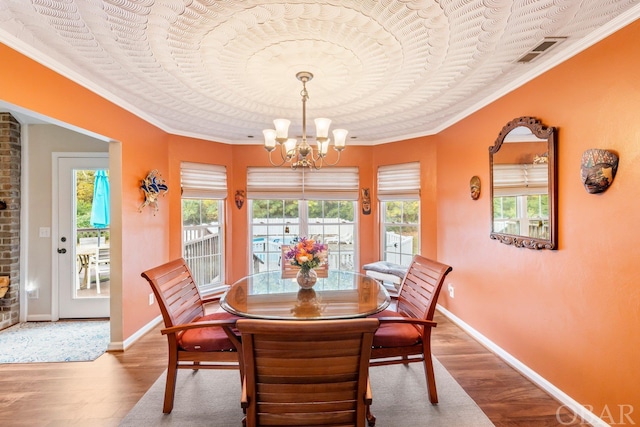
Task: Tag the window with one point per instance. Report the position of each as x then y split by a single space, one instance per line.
399 196
286 203
204 189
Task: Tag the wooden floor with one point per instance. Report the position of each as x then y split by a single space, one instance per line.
101 393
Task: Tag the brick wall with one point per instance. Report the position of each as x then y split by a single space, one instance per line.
10 152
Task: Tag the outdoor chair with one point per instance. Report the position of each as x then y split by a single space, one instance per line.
301 373
196 340
100 263
404 335
290 271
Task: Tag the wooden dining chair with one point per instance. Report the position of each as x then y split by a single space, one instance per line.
196 340
290 271
302 373
404 335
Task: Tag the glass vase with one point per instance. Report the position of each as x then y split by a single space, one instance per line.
306 278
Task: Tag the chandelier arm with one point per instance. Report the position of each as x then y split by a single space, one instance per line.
325 163
277 164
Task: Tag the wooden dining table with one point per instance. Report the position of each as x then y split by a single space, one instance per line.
341 295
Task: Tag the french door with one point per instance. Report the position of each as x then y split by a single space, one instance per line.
79 265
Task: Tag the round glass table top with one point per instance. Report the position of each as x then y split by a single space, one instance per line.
341 295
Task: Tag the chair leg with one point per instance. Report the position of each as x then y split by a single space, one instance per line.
97 278
170 387
431 380
371 419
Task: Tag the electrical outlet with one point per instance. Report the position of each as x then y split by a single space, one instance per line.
451 290
151 299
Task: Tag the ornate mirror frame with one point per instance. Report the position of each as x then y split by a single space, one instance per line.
549 238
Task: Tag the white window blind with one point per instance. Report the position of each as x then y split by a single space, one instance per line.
520 179
203 181
399 182
336 183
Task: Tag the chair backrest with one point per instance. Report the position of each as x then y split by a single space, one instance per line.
289 270
177 294
420 288
103 253
320 367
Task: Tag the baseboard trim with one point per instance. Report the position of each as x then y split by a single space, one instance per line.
123 345
566 400
39 318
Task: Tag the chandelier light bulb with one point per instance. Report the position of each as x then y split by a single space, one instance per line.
340 138
290 146
322 128
269 139
282 129
323 146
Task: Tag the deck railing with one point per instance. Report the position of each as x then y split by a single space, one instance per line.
202 253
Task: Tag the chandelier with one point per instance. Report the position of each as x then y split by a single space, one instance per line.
301 154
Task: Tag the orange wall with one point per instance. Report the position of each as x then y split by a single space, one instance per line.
571 314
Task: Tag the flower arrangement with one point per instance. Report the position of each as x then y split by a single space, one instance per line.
307 253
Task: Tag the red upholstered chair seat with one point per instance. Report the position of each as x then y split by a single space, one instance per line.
207 339
395 334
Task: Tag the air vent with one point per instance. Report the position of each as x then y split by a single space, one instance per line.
540 48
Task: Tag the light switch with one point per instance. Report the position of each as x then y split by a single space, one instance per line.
45 232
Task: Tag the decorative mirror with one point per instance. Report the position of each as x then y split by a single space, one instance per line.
522 167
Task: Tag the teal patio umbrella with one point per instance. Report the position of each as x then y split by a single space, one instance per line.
100 205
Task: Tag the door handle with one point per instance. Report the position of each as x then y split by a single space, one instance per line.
62 251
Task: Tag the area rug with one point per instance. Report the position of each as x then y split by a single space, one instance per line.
63 341
212 398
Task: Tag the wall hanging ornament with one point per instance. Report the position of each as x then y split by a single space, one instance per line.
366 201
474 187
598 169
153 185
239 198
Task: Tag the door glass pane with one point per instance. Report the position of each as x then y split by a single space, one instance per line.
91 234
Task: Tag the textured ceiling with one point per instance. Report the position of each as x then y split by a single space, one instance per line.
223 70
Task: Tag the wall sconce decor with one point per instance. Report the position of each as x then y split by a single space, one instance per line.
366 201
598 169
474 187
239 198
152 186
